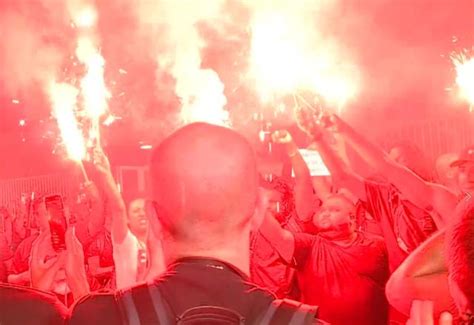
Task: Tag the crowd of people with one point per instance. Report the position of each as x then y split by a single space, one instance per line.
382 240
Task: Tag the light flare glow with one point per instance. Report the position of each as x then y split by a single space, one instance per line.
285 59
86 17
93 88
464 65
63 97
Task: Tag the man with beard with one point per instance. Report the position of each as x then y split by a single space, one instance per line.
340 270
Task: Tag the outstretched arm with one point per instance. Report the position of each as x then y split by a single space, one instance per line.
341 176
304 195
282 240
114 200
420 192
97 219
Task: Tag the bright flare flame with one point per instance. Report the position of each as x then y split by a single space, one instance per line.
86 17
284 59
64 98
93 88
464 66
203 99
200 90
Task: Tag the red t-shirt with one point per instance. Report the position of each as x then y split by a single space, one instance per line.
404 226
268 269
21 258
347 283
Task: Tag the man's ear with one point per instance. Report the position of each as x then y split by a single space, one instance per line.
260 208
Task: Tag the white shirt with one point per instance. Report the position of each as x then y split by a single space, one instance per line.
126 260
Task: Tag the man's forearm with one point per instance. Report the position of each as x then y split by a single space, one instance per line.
303 185
281 239
341 177
371 153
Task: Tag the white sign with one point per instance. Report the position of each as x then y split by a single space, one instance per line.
315 163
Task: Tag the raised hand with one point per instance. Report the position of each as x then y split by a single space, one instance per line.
306 121
332 123
100 160
74 265
91 190
282 137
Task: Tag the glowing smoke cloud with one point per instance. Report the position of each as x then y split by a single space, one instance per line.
64 99
201 92
27 56
289 55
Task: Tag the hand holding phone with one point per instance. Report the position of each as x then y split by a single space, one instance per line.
57 221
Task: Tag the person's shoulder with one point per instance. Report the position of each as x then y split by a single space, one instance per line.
21 305
96 308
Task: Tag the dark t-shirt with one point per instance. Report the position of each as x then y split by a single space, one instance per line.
188 283
404 226
26 306
347 283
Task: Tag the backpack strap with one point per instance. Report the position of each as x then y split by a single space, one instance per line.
143 305
161 306
267 317
286 311
127 308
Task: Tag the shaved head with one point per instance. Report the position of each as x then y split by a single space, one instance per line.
204 181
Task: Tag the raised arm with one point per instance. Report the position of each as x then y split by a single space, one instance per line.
97 219
420 192
304 195
282 240
341 176
114 200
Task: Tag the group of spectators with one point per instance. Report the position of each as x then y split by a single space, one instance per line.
366 245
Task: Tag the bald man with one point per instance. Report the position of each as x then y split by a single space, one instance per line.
204 182
339 269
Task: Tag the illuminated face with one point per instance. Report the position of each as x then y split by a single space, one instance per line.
335 213
466 177
137 218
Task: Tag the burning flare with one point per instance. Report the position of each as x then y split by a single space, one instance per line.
464 65
93 88
64 99
200 90
94 92
287 56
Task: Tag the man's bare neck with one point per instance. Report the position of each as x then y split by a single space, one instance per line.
237 256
